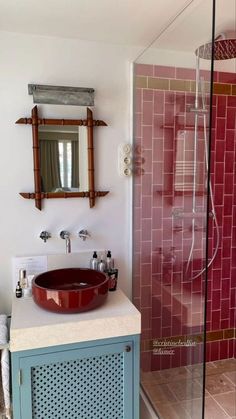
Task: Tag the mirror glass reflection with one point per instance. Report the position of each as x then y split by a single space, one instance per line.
63 158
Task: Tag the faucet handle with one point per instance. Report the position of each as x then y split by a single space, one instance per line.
64 234
45 235
84 234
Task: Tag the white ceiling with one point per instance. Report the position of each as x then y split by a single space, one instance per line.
194 26
125 22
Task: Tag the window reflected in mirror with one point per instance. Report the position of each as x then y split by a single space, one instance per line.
63 158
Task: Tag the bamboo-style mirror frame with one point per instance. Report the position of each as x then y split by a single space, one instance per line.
38 195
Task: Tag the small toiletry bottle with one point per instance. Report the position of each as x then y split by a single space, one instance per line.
22 278
113 275
94 261
29 280
101 266
110 261
27 292
18 290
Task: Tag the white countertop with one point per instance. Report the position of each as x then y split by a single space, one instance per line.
33 327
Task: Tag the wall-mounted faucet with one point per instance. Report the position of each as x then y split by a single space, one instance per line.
83 234
65 235
45 235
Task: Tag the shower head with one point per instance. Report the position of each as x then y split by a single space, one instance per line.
224 49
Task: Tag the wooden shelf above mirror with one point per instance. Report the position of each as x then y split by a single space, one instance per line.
65 155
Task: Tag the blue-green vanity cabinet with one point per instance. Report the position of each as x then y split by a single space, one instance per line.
89 380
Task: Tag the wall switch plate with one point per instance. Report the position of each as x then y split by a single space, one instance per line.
125 160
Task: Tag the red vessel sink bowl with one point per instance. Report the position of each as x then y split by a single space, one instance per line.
70 290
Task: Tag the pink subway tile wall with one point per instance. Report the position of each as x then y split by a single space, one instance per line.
170 300
222 278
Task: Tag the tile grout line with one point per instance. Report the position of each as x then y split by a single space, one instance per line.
221 406
231 381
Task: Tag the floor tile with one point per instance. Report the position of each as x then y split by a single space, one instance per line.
151 377
186 389
177 393
231 376
175 374
195 370
160 393
172 411
228 402
213 410
225 365
193 407
218 383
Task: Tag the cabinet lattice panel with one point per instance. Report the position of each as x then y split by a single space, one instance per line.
91 388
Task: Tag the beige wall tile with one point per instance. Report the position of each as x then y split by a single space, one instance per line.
222 89
156 83
141 81
180 85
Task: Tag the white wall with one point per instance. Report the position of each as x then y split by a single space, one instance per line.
185 59
47 60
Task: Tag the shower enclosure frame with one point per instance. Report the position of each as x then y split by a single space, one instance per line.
209 211
209 202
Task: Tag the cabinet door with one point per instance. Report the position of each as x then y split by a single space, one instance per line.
88 383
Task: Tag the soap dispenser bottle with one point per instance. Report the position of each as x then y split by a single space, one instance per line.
18 290
22 278
102 266
94 261
110 261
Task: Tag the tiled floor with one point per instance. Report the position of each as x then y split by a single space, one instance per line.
177 393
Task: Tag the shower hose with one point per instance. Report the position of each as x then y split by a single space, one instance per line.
203 112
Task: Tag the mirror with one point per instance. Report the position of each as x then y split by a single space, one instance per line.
63 157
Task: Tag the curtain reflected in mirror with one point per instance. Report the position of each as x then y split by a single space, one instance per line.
63 159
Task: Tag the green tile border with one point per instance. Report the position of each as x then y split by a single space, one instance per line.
179 85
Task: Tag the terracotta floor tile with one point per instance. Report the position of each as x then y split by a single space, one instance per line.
231 376
213 410
186 389
177 393
211 368
151 377
172 411
225 365
193 407
160 393
195 370
228 402
218 384
173 374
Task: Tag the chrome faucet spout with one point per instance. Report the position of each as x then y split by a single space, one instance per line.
68 245
65 235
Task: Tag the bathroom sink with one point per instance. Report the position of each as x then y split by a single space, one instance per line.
70 290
